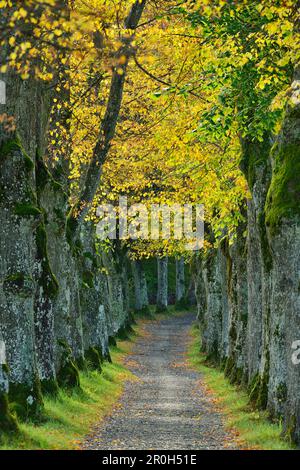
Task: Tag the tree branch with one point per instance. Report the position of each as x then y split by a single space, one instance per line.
108 124
163 82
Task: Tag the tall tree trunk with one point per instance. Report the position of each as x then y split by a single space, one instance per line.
180 283
116 302
92 295
20 219
215 321
283 228
162 284
140 287
236 368
47 285
200 294
257 170
67 341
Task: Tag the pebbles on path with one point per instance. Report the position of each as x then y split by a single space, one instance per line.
168 408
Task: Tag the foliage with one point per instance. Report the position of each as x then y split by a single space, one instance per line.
205 78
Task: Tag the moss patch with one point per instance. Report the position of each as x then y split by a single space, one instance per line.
19 283
49 387
68 375
26 400
47 279
88 279
8 423
112 341
14 145
27 210
125 332
94 359
232 372
284 192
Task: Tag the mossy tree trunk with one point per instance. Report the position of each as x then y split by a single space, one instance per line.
162 284
92 294
236 367
283 228
257 169
180 283
116 303
7 421
20 218
140 287
46 283
63 260
261 276
200 293
215 323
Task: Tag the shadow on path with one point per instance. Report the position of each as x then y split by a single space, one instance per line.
167 408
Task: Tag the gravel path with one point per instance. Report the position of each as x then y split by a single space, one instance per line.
168 409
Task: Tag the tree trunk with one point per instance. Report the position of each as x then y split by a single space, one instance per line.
215 321
200 294
257 169
20 219
236 367
162 284
47 285
7 421
283 229
92 295
140 287
116 302
67 344
180 283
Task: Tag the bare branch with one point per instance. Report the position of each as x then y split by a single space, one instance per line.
108 124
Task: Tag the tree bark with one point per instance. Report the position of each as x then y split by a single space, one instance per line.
180 283
92 295
7 421
162 284
140 287
20 218
116 302
283 229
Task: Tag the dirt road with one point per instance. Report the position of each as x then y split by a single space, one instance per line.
168 408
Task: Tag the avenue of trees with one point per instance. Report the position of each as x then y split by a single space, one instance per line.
165 102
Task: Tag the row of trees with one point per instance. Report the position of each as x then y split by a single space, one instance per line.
248 293
61 296
164 102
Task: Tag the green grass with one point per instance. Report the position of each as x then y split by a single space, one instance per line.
70 416
253 427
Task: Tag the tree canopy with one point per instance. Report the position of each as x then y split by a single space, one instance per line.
156 99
